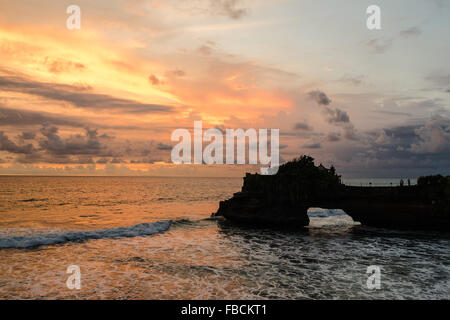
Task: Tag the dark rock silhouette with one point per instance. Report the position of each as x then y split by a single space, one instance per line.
283 199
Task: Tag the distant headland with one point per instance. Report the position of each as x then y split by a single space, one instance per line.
283 199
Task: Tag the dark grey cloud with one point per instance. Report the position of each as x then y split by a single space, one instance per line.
302 126
433 137
301 133
16 117
117 160
78 144
48 145
439 79
78 97
177 73
379 45
154 80
383 138
429 141
337 116
26 118
406 134
314 145
410 106
163 146
10 146
106 136
102 161
320 97
333 137
412 150
384 166
349 132
411 32
355 80
426 103
392 113
230 8
26 135
75 148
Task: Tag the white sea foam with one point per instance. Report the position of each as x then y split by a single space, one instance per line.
41 239
324 213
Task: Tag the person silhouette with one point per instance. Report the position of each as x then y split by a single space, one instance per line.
409 183
401 183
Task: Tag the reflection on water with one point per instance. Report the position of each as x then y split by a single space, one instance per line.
201 258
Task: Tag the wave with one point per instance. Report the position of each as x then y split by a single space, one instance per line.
42 239
324 213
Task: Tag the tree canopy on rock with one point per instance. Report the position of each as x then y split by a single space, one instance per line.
305 169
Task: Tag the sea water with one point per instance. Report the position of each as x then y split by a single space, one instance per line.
153 238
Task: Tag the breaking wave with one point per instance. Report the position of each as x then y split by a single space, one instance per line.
324 213
42 239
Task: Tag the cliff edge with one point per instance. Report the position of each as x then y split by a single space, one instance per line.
283 199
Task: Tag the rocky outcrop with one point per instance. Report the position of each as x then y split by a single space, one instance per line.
282 200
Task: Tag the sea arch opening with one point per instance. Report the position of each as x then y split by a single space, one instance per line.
320 217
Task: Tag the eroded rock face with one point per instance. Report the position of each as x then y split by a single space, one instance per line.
254 210
282 200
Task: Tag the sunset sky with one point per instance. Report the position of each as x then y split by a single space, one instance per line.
105 99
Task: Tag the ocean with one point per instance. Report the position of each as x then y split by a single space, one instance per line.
153 238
